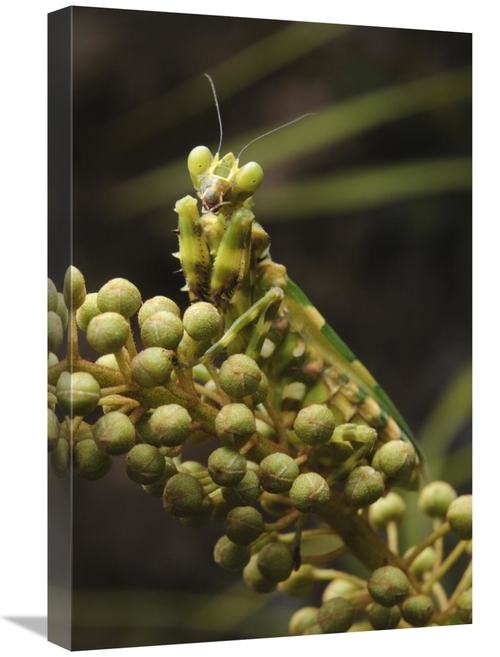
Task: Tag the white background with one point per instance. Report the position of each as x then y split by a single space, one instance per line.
23 202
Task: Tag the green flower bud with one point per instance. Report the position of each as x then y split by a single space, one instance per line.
52 296
87 311
300 584
163 329
313 629
383 618
254 579
155 305
337 588
183 495
239 376
114 433
261 395
201 517
302 619
244 525
55 331
226 466
230 556
435 498
234 425
152 367
388 586
119 296
417 610
423 562
144 464
89 462
108 360
246 492
59 459
314 424
108 333
171 423
336 615
52 360
202 321
390 508
77 393
61 310
278 472
83 432
397 459
53 429
144 432
308 492
459 516
464 606
275 562
156 489
364 486
74 288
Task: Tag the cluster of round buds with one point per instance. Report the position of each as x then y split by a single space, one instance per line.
57 321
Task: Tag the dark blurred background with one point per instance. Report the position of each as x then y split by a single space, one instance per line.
368 204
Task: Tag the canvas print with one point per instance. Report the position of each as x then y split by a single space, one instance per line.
237 207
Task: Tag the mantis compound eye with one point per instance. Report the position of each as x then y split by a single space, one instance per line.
199 160
249 177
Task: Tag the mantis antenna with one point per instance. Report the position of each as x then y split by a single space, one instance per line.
218 109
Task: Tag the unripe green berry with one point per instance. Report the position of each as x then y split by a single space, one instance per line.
226 466
278 472
231 556
254 579
464 606
275 562
336 615
61 310
89 462
302 619
108 332
417 610
59 458
55 332
383 618
423 562
300 584
245 492
390 508
163 329
235 424
309 491
119 296
364 486
314 424
397 459
202 321
244 525
155 305
171 423
53 429
435 498
114 433
239 376
183 495
337 588
74 290
459 516
152 367
145 464
388 586
87 311
52 296
77 393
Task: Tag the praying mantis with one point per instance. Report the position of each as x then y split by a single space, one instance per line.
225 260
